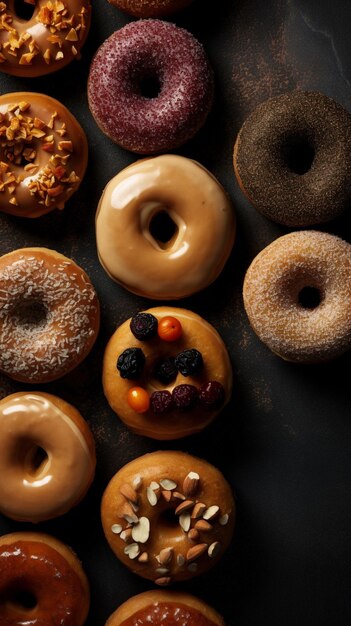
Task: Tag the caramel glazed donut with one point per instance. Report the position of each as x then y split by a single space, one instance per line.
164 227
160 607
43 154
47 456
41 582
168 516
297 295
50 39
49 315
188 380
292 158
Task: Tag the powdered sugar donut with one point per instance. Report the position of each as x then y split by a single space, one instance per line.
150 86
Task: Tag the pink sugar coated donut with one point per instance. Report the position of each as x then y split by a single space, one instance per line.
173 62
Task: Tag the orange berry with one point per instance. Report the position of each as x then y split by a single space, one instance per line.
138 399
169 328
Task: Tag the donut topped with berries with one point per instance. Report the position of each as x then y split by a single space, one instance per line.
166 373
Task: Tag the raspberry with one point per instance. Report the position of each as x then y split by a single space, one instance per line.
144 326
130 363
212 394
189 362
166 371
161 401
185 396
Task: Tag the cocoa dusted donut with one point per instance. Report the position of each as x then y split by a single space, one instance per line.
297 295
150 86
150 8
168 516
161 606
292 158
41 582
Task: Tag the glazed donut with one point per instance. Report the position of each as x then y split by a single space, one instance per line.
150 8
44 154
292 158
41 582
161 606
47 456
150 86
197 358
168 516
48 40
297 295
49 315
170 253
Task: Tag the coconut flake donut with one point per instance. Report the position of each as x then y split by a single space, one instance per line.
149 235
41 582
47 456
49 315
168 516
150 8
173 380
297 295
150 86
43 154
46 38
292 158
161 606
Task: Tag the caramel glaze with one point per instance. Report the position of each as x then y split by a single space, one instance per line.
43 154
168 614
48 41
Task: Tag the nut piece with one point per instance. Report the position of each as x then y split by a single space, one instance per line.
151 496
184 506
116 528
167 495
132 550
191 484
196 551
203 526
129 493
198 510
126 534
211 512
165 556
180 560
163 581
141 530
185 521
193 534
224 519
168 484
143 558
137 482
214 549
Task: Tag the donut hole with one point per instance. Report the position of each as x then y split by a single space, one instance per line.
24 9
35 460
309 297
298 154
149 86
22 599
168 519
162 228
29 314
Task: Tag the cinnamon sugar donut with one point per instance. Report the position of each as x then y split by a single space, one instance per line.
49 315
168 516
161 606
41 582
170 252
150 86
47 456
297 295
150 8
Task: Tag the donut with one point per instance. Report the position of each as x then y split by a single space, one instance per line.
292 158
150 86
168 516
44 154
161 606
297 295
47 456
183 378
168 253
150 8
44 37
49 315
41 582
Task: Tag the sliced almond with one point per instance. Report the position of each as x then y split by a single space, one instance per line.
223 520
165 556
211 512
151 496
126 534
132 550
193 534
167 495
191 484
163 581
203 526
129 493
214 549
198 510
162 571
141 530
168 484
176 495
143 558
185 521
137 482
180 560
116 528
184 506
196 551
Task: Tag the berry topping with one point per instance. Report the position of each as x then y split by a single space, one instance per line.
144 326
212 393
166 371
161 401
138 399
185 396
130 363
169 328
189 362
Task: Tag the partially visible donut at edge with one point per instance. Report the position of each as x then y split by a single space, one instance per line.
150 8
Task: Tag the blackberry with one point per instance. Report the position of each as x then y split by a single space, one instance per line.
185 396
161 402
189 362
212 394
144 326
166 371
130 363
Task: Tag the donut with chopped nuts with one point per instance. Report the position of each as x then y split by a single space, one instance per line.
161 606
150 86
150 8
292 158
48 36
168 516
169 378
49 315
297 295
43 154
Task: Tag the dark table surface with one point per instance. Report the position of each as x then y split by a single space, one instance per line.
284 442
